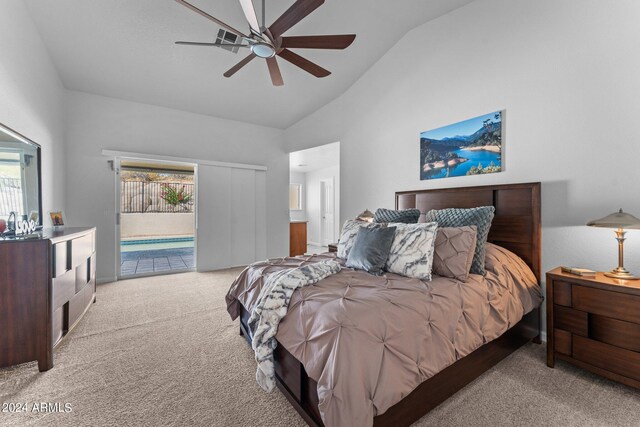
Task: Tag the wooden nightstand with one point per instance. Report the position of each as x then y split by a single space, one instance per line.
333 247
594 323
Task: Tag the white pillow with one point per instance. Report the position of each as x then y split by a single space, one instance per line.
412 250
348 235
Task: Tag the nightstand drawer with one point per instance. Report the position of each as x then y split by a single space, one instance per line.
563 341
562 293
610 358
615 332
571 320
610 304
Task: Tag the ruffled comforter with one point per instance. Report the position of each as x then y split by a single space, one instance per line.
369 341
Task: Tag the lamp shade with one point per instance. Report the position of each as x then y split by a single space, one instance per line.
616 220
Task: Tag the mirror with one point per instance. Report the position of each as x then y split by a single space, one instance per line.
19 177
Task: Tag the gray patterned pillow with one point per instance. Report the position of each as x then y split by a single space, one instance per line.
411 252
454 250
348 235
481 217
407 216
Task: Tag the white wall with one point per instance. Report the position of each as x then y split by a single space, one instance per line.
31 97
299 178
567 74
313 208
96 123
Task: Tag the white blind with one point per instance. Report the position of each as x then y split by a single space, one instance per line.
231 217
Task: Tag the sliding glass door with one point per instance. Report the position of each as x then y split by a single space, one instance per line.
156 217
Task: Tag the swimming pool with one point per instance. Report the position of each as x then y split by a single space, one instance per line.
134 245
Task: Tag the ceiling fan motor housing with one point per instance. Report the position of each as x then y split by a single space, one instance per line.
263 50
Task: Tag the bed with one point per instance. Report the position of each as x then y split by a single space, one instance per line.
396 398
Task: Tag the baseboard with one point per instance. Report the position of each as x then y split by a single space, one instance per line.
313 243
101 280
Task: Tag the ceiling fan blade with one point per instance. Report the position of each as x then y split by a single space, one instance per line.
250 14
293 15
211 44
303 63
274 71
239 65
319 42
206 15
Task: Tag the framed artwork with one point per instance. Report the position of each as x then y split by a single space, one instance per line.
57 218
470 147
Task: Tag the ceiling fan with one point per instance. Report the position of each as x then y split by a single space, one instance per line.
269 42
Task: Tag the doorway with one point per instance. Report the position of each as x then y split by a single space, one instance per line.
327 212
156 221
314 192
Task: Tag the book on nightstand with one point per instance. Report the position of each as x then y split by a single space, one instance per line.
584 272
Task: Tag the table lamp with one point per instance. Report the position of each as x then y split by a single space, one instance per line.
618 220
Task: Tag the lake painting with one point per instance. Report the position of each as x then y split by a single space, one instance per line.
471 147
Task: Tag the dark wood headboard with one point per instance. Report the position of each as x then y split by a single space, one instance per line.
516 225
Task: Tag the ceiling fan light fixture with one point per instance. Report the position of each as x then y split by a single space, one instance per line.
263 50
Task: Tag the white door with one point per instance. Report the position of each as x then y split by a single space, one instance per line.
327 211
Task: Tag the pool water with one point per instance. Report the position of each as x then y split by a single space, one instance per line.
155 244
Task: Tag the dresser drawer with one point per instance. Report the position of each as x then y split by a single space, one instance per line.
79 303
81 249
606 303
82 274
60 258
604 356
57 324
64 288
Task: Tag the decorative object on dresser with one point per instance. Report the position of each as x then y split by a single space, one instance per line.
618 220
57 218
297 238
47 283
594 323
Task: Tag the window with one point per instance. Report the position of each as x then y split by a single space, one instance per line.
295 197
12 190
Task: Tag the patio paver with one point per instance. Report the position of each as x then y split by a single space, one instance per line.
153 261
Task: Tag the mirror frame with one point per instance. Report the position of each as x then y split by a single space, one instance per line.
22 138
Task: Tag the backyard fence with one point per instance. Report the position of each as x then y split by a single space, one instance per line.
10 196
145 197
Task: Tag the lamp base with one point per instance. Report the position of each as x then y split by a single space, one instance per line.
621 274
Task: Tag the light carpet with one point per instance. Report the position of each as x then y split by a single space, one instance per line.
162 351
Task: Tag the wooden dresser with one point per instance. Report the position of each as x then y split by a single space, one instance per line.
594 323
46 285
297 238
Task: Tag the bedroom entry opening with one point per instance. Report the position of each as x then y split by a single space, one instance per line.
156 217
314 199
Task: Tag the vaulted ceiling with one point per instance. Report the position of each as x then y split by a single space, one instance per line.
125 49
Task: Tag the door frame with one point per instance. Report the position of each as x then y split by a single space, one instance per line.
152 159
332 180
